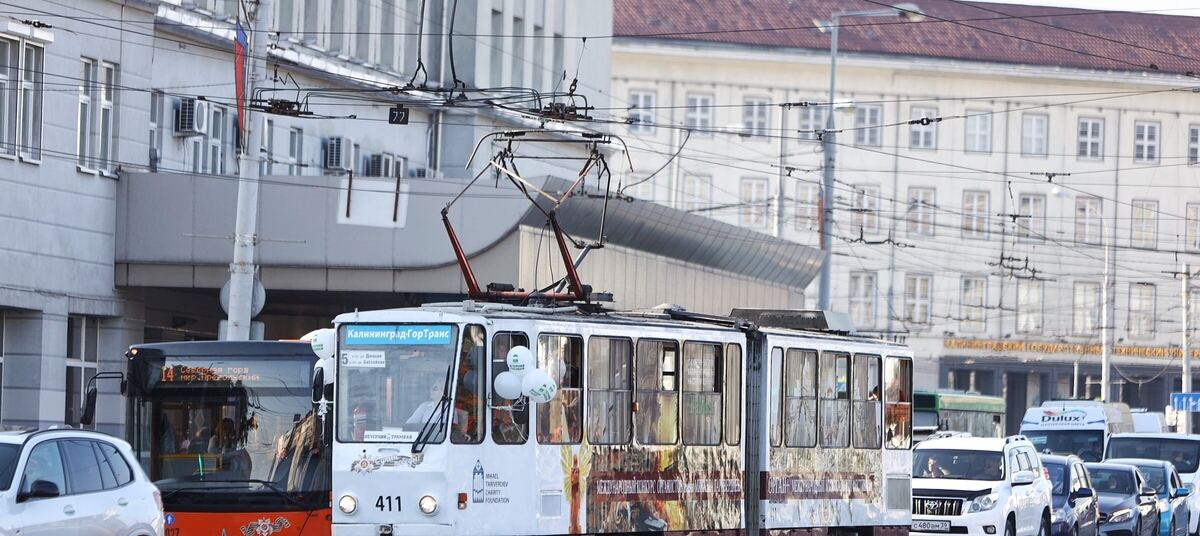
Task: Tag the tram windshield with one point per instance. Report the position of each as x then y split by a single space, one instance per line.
241 430
393 382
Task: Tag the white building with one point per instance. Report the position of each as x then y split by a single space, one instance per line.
978 237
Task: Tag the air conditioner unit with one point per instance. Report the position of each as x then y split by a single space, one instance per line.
380 165
420 172
336 149
191 117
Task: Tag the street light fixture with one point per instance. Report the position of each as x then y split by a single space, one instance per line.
908 11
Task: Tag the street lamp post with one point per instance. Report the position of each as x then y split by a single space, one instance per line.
907 11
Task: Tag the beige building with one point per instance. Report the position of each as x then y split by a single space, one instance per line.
979 236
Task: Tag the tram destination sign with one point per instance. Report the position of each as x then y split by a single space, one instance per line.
195 372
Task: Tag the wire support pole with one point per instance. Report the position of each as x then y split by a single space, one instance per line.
829 148
1187 351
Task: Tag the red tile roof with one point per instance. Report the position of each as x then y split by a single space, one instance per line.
1046 36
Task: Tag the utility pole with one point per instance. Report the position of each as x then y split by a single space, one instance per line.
245 239
828 146
780 195
1187 353
1105 350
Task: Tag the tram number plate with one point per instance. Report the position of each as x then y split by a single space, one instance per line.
934 526
387 503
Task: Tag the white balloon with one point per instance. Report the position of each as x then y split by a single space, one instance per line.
507 385
539 386
323 342
520 360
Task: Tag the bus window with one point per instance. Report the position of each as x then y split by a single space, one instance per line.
775 383
835 399
866 401
701 394
560 420
468 398
733 394
509 426
657 395
800 392
610 382
898 407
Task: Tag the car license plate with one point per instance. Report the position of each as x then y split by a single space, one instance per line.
931 526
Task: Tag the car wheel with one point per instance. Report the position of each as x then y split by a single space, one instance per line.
1010 529
1075 530
1043 528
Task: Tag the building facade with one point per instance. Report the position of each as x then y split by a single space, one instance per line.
981 235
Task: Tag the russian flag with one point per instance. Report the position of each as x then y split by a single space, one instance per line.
240 45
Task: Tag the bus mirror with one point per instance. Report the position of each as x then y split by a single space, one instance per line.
89 407
318 385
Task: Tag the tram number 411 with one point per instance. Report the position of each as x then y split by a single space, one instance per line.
385 504
398 115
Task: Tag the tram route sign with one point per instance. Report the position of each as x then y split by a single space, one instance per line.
1185 402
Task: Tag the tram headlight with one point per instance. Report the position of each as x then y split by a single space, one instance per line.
428 505
347 504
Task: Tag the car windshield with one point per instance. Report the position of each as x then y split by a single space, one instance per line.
1058 478
1182 453
8 464
958 464
1112 481
1087 444
1155 478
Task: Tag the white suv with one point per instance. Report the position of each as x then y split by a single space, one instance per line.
67 482
979 487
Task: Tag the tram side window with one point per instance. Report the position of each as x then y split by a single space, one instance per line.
610 382
897 399
775 383
657 397
733 394
509 426
835 399
468 398
560 421
800 393
701 393
866 401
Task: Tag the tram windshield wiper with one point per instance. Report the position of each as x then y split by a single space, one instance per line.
231 484
436 417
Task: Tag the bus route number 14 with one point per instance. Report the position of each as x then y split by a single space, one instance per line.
385 504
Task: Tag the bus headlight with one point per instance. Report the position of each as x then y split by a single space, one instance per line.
348 504
428 505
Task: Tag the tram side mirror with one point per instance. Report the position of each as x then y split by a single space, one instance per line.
89 406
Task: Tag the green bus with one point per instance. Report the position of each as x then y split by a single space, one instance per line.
957 411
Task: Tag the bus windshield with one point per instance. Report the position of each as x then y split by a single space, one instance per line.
1183 453
1087 444
391 381
212 426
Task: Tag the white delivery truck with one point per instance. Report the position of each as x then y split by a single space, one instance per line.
1079 427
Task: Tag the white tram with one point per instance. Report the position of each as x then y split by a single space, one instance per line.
662 421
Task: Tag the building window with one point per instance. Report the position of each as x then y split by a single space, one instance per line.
82 342
1145 142
1141 309
108 129
1031 221
1034 134
697 193
157 124
1086 308
699 113
561 419
10 74
864 215
1029 306
267 140
641 111
756 117
32 68
922 136
1144 224
808 203
979 131
1193 145
921 204
918 298
1192 227
496 69
87 95
862 299
216 141
753 201
518 52
1091 138
975 214
295 151
868 125
973 304
1089 217
657 392
812 121
539 53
